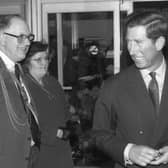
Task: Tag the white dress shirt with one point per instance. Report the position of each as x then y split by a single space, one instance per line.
8 62
160 76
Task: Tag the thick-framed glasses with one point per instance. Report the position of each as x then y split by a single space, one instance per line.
21 38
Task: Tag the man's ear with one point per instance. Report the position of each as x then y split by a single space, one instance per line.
159 43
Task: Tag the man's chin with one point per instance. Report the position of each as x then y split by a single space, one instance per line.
21 57
140 66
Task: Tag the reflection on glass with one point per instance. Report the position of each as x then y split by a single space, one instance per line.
52 38
87 46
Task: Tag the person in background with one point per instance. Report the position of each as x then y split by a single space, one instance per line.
52 109
130 119
15 137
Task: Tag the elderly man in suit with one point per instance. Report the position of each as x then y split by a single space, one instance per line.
15 135
131 113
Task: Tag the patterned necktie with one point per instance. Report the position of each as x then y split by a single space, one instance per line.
154 91
35 131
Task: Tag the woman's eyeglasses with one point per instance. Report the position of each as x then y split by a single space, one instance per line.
21 38
39 60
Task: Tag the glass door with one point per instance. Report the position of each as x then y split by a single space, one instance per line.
75 30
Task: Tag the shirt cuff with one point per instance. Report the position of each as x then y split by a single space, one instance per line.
126 154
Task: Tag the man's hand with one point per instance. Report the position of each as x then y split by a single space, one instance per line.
142 155
162 158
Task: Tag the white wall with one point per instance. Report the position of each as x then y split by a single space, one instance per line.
12 7
74 0
12 1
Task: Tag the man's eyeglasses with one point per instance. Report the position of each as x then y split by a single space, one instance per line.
21 38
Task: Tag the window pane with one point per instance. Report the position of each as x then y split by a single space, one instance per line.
87 46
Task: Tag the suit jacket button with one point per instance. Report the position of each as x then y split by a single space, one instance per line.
141 132
29 138
27 158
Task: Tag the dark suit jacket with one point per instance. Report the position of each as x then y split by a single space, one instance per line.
124 114
14 130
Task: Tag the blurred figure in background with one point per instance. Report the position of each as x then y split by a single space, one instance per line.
52 110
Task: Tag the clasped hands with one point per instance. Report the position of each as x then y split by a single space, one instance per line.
144 155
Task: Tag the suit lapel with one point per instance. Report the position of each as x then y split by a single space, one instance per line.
33 106
11 98
140 92
9 82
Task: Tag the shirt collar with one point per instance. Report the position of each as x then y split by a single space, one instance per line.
162 69
8 62
159 71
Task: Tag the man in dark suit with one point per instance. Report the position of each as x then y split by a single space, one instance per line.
130 124
15 136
